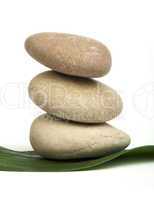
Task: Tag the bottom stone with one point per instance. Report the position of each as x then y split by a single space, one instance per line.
57 139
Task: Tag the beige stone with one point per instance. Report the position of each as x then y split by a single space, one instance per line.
73 98
57 139
70 54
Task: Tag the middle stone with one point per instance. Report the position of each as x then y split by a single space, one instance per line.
73 98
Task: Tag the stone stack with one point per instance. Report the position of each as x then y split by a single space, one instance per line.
77 106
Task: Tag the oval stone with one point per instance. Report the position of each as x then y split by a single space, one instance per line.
73 98
70 54
57 139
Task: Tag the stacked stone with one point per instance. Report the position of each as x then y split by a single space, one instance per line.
77 106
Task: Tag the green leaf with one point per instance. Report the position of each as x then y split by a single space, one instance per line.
29 161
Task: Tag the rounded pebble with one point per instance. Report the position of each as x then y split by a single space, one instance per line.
70 54
57 139
73 98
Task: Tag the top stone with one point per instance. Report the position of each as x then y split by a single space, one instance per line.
70 54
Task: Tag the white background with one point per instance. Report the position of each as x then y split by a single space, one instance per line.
127 28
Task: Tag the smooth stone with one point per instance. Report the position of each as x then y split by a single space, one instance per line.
73 98
70 54
57 139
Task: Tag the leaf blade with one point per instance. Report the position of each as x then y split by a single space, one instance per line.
31 162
